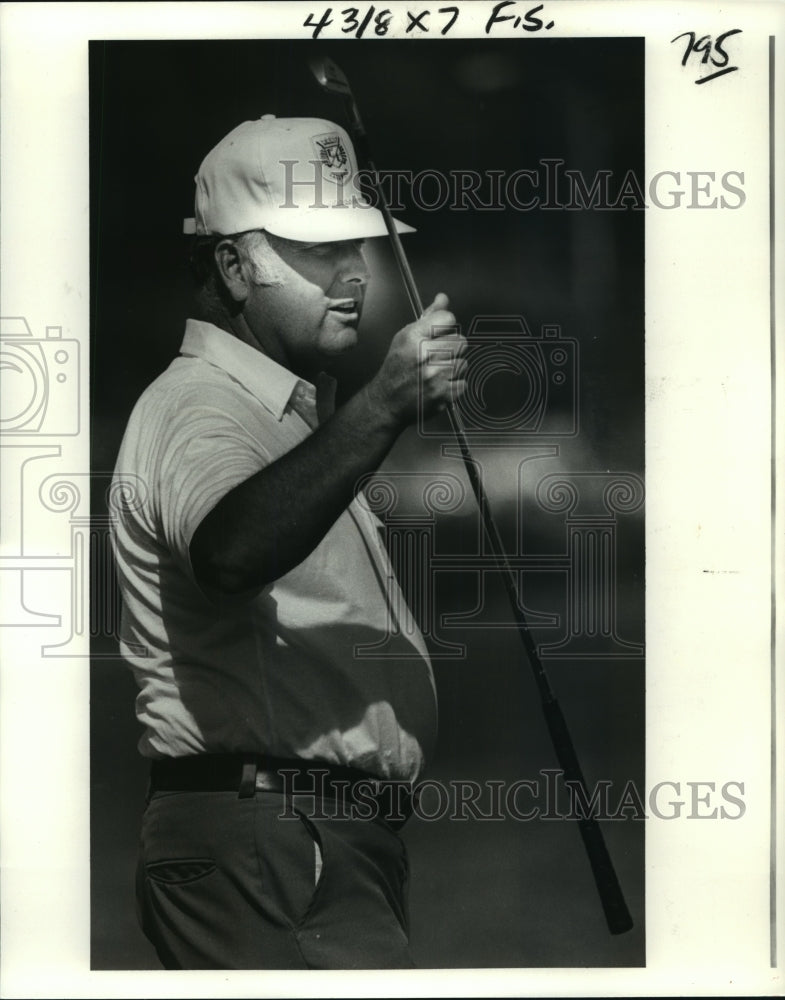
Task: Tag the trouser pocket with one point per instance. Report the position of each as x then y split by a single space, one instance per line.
290 859
179 871
251 884
208 890
358 917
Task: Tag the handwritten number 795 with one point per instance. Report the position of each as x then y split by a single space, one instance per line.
705 46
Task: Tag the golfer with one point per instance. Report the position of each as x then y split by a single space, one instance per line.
253 576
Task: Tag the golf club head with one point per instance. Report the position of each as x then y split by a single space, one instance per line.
330 76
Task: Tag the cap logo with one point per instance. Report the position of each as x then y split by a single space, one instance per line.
332 154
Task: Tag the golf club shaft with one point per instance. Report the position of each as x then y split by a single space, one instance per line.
361 145
459 432
614 906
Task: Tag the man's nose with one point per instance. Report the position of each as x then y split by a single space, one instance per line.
354 268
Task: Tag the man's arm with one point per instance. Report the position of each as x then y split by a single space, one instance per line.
268 524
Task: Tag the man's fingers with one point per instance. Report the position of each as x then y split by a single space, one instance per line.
442 323
440 301
459 369
458 345
445 351
456 390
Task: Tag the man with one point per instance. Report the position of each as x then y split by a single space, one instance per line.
253 575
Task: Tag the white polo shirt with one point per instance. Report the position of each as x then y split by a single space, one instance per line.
287 672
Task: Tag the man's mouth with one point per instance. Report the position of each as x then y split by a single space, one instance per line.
347 309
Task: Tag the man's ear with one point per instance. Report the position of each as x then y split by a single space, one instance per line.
230 268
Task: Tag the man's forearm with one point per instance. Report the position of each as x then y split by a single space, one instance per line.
268 524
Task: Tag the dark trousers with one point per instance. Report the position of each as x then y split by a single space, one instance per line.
266 883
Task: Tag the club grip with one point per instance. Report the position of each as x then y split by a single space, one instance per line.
614 906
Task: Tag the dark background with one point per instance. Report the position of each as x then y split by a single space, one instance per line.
483 893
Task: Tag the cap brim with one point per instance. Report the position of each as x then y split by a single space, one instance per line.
318 224
327 225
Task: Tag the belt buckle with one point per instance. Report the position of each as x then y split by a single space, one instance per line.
247 780
267 781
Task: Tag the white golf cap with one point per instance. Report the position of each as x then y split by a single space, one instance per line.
294 177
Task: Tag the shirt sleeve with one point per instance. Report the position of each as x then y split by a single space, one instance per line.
210 444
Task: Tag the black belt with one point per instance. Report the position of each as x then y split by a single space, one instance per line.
353 793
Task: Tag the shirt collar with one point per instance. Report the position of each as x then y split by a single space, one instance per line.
272 384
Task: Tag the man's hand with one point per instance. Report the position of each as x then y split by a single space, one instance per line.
268 524
425 368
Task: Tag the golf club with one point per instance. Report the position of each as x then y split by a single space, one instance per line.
332 79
